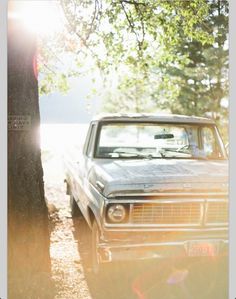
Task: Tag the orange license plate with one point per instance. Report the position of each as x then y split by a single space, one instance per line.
199 248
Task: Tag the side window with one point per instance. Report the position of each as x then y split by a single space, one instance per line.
89 151
208 141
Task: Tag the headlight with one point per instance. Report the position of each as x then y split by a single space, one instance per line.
116 213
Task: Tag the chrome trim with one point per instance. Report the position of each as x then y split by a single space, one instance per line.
130 212
157 225
204 194
170 200
202 212
150 227
215 223
180 243
217 200
204 219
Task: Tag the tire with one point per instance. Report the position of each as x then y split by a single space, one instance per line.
95 263
75 210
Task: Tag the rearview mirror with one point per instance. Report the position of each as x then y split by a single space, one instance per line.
163 136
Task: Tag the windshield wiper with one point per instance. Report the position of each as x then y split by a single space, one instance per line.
131 155
191 156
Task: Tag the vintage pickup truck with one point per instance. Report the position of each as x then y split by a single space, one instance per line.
151 186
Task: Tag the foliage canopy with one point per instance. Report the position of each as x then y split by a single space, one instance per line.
151 54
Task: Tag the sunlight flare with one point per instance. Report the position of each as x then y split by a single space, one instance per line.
42 17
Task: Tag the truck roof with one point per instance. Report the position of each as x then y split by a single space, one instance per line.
175 118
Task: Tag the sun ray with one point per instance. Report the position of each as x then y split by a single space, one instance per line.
42 17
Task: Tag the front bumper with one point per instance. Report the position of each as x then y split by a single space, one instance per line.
121 246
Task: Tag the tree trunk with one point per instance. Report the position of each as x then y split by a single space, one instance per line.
28 234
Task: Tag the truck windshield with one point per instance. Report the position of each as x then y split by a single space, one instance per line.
158 140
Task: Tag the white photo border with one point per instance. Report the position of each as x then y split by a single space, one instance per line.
3 149
232 163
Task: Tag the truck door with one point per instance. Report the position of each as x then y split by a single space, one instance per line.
85 163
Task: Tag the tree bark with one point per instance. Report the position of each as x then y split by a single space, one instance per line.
28 234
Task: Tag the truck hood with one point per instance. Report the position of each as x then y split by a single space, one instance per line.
158 175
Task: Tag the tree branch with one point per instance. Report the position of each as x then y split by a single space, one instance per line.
134 2
131 25
73 28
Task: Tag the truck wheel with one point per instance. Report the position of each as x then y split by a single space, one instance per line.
95 242
75 210
68 192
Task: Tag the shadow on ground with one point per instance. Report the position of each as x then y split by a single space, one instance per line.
197 278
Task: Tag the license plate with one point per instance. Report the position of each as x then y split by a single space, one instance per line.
200 248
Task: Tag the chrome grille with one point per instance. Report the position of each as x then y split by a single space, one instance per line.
217 212
167 213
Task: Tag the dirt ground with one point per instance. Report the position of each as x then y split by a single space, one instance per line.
164 279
